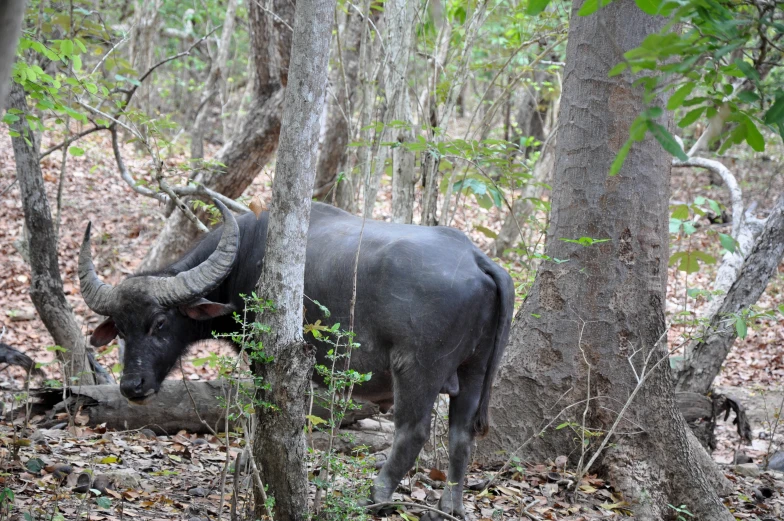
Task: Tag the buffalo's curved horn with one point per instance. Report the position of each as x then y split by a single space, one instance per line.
197 282
97 294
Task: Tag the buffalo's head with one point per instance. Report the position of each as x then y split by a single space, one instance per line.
155 314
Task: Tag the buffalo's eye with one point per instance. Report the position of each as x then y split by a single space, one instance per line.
158 324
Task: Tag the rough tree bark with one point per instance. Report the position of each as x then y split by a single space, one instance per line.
216 77
592 331
11 14
704 358
279 441
46 289
399 17
254 145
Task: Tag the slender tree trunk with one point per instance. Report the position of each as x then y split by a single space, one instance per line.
705 356
440 118
340 106
403 161
46 289
254 145
399 17
592 332
279 443
523 207
11 16
144 37
532 122
216 78
368 54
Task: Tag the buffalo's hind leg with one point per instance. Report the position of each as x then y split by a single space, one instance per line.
462 411
414 399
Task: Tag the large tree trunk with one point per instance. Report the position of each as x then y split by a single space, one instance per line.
11 15
215 80
46 289
254 144
279 442
705 356
592 332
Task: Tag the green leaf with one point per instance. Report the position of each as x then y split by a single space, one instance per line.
35 465
76 151
66 47
315 420
591 6
753 136
650 7
727 242
666 140
747 70
675 225
689 228
108 460
775 113
681 212
620 157
677 98
76 62
704 257
740 327
748 96
536 6
615 71
103 502
487 232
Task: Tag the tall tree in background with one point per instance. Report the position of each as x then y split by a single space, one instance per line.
279 444
592 331
216 82
254 145
399 17
344 76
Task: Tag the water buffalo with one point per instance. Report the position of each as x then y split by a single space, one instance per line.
432 315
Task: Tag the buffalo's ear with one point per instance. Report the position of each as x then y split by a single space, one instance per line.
104 333
204 309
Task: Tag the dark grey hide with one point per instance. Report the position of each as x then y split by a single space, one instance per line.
432 314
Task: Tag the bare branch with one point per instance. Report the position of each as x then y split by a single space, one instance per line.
736 194
127 177
71 139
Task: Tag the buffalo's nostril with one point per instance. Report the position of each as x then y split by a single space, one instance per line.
132 386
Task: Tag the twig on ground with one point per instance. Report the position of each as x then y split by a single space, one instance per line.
412 505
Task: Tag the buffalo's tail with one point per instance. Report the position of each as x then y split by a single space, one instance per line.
504 313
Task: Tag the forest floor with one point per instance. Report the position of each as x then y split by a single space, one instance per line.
183 476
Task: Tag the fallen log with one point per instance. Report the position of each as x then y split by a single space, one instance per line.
179 405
